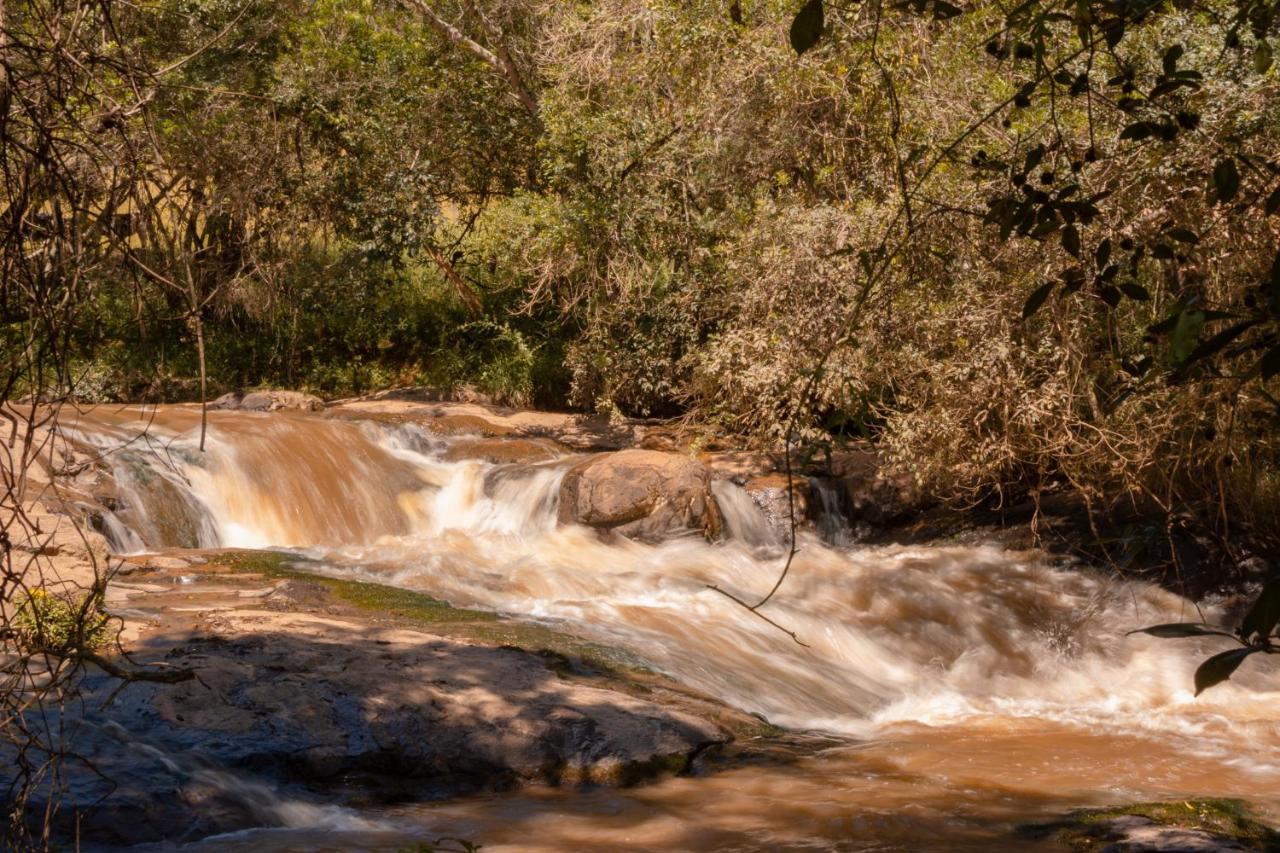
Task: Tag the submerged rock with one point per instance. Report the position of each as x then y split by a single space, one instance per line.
641 494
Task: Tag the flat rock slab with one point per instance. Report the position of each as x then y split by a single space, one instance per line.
308 700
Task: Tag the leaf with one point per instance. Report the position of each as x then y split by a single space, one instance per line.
1273 202
1218 668
1270 364
1071 240
735 12
1264 613
1072 280
1135 291
1138 130
1037 298
1110 295
806 29
1262 58
1179 630
1034 157
1171 57
1162 89
1113 31
1184 235
1225 182
943 10
1213 346
1186 333
1103 253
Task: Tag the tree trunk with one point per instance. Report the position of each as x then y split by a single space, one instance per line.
465 292
204 399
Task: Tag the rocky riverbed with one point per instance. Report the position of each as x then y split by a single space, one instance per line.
328 680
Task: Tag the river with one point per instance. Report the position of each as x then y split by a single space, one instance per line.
949 693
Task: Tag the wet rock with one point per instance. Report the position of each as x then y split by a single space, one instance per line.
1135 834
641 494
502 451
317 700
269 401
770 493
1180 826
465 425
873 492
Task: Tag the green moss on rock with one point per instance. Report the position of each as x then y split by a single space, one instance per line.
1229 819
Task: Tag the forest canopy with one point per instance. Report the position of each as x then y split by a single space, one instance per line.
1017 246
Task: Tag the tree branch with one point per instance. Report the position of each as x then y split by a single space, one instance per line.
499 59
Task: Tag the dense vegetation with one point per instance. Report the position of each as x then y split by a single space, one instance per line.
1018 246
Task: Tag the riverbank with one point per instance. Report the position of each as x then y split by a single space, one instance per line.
952 690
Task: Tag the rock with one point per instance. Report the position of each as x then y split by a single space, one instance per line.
502 450
742 465
465 425
873 492
1136 834
769 492
269 401
320 700
68 553
641 494
1179 826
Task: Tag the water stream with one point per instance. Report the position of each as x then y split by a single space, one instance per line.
966 688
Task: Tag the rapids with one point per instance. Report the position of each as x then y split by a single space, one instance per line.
954 690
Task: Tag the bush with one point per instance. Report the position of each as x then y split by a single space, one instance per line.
51 623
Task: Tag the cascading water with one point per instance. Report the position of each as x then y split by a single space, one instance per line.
900 643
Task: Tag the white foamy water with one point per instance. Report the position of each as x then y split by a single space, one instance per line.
969 640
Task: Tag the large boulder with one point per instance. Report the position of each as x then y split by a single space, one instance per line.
320 700
641 494
268 401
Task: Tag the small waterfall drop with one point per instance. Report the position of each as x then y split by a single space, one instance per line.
745 521
829 514
894 635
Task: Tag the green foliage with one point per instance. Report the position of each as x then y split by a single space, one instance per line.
1022 248
48 622
1255 636
1236 820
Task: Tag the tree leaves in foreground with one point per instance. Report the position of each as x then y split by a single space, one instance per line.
1255 636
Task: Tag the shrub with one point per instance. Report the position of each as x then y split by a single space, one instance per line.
47 622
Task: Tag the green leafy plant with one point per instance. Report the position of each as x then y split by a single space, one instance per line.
1256 635
55 624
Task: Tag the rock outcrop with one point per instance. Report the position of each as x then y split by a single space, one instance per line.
769 492
641 494
268 401
503 451
873 492
296 691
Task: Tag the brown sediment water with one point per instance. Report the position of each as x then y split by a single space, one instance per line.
960 690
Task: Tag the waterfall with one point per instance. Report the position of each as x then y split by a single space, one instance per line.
893 634
829 514
743 519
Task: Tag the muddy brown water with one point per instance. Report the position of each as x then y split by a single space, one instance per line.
966 690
